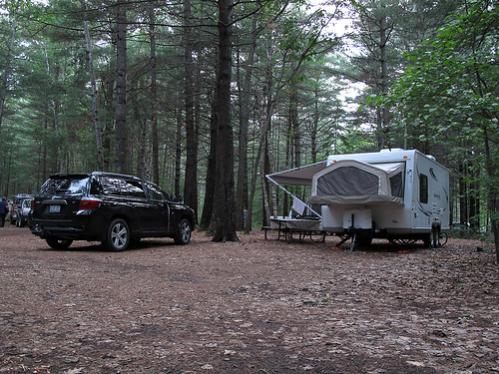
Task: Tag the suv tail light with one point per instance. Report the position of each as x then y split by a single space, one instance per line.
90 203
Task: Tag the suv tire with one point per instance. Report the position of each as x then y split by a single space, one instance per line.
183 232
135 242
117 235
56 243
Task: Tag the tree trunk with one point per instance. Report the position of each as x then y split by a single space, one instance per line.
44 150
55 140
191 163
265 129
384 114
107 90
9 168
178 147
266 189
121 135
295 126
285 205
463 195
4 83
210 172
154 96
474 198
141 131
244 114
261 154
93 86
223 220
52 107
315 126
39 164
493 191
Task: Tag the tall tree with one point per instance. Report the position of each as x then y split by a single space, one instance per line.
376 24
93 86
154 95
191 163
210 172
244 86
7 63
121 133
224 220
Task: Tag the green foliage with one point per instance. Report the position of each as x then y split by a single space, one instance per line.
450 84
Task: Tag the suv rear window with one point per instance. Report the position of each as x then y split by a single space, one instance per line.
65 186
120 186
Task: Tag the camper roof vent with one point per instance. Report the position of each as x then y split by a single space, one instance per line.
431 157
390 150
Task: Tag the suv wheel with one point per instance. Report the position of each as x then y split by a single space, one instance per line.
59 243
135 242
118 235
183 233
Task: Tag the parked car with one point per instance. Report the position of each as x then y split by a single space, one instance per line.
115 209
16 206
24 213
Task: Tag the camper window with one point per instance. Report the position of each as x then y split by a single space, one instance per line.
423 188
397 185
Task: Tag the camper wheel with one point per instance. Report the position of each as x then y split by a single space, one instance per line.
354 242
360 239
427 241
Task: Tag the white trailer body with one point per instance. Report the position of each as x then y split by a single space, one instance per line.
396 193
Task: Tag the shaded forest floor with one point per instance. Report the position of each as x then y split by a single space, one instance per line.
250 307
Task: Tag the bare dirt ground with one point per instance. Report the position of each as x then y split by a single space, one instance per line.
250 307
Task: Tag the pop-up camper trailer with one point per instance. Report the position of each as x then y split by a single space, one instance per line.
393 194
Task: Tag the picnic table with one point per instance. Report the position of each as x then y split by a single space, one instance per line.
290 228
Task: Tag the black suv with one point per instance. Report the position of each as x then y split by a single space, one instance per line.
115 209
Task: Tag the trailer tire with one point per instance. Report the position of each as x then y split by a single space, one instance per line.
361 239
427 241
354 242
365 239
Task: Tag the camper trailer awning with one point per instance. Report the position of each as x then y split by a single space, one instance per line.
298 176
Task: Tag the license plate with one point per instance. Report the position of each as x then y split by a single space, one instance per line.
54 209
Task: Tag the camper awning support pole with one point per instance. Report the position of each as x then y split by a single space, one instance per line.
292 195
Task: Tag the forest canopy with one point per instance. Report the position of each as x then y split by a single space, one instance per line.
206 97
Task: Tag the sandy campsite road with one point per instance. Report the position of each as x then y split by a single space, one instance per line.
250 307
